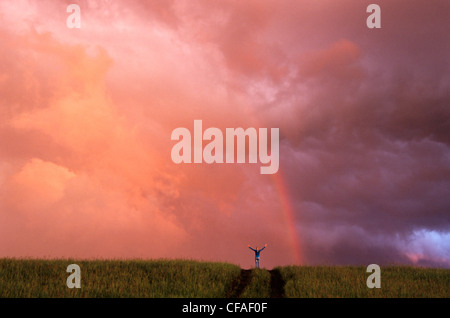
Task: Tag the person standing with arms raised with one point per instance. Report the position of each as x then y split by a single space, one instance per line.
257 254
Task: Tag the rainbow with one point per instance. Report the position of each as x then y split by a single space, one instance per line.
288 212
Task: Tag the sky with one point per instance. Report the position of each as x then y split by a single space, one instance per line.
86 117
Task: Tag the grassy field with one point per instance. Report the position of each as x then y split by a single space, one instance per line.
195 279
350 282
113 278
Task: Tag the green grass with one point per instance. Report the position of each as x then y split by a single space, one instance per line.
28 278
114 278
350 282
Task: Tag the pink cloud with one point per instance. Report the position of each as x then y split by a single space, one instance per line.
86 117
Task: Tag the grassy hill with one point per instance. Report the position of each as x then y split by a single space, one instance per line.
194 279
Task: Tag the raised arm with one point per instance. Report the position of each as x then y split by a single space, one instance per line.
251 248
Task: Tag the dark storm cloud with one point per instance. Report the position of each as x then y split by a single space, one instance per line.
367 141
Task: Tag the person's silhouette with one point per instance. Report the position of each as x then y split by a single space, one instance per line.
257 254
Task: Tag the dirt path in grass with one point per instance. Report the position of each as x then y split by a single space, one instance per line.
240 284
276 284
